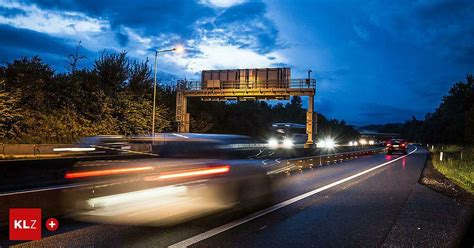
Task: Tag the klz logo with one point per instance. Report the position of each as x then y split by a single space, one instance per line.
25 223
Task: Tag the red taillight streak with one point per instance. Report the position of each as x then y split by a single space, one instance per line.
190 173
106 172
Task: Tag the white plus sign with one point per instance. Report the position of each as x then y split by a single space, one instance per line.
51 224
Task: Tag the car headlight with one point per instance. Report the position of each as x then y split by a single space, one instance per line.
288 142
273 143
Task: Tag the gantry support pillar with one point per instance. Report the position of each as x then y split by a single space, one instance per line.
182 115
311 120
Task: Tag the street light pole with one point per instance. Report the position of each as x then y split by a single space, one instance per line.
178 49
154 100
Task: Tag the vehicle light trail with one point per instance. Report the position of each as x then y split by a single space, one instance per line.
74 149
109 172
190 173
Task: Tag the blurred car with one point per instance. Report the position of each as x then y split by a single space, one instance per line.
397 145
167 189
99 144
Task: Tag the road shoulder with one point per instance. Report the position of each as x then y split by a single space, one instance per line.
429 219
437 214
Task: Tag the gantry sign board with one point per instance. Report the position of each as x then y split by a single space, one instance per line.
244 85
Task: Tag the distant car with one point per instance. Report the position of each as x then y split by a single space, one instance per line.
286 135
397 145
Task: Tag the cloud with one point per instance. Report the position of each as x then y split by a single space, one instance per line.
122 38
149 18
246 26
383 113
389 51
52 22
143 27
11 12
16 43
219 56
444 27
221 3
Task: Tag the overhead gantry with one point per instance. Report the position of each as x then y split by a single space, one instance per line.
246 85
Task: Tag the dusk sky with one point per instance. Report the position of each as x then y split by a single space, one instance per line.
375 61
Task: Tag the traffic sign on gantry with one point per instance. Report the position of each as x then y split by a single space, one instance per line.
244 85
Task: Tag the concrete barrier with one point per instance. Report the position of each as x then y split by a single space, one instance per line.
29 149
11 150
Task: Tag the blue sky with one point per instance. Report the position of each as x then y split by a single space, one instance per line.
375 61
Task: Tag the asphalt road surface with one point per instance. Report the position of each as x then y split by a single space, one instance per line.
352 203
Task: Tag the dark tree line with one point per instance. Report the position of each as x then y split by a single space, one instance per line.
255 118
40 105
451 123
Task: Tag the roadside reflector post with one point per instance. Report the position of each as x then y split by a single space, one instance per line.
441 156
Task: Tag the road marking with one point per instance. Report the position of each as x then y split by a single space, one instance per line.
230 225
45 189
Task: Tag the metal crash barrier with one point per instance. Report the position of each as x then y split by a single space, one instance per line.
298 164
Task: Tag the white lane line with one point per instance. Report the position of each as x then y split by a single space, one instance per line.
230 225
46 189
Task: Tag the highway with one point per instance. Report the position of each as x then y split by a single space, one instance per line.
350 203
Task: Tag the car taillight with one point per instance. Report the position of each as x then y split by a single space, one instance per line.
215 170
389 144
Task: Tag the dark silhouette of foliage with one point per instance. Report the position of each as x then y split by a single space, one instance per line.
39 105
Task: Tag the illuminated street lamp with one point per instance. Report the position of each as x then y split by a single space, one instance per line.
178 49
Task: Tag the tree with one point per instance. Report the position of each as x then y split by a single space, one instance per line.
10 112
140 81
112 70
75 58
451 123
31 77
133 115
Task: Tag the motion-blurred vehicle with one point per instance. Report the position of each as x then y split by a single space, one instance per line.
286 135
170 188
99 144
397 145
109 144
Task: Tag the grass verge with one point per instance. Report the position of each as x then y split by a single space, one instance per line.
459 168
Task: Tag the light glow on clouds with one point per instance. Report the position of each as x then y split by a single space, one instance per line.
222 3
212 47
221 47
221 56
51 22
